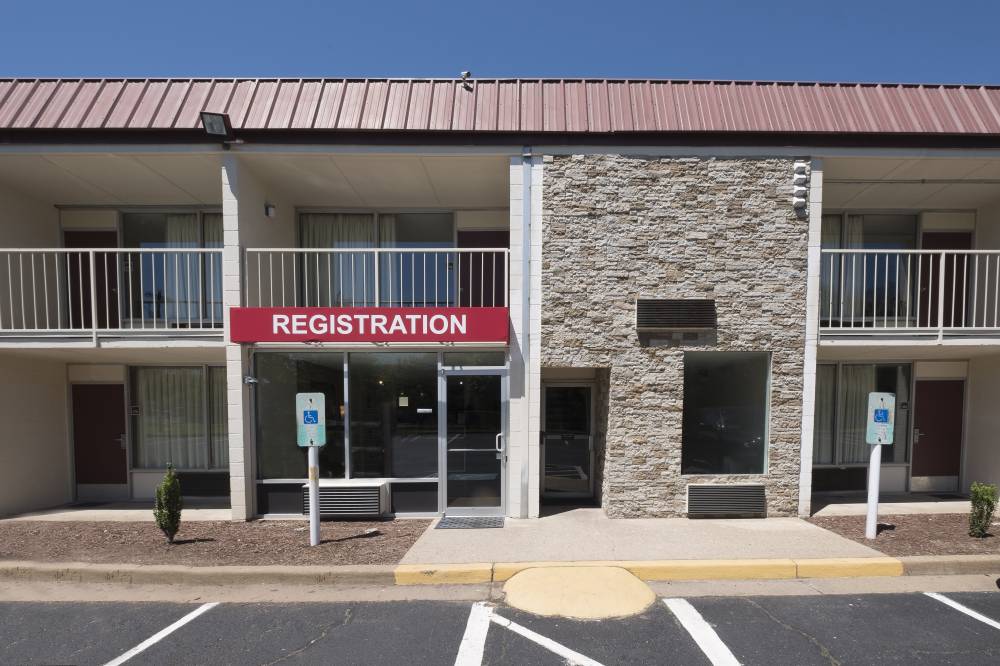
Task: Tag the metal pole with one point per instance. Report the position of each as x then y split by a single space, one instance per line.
874 465
313 495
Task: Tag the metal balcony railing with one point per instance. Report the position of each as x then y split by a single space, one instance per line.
377 277
110 292
929 293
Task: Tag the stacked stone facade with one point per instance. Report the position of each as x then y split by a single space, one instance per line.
618 228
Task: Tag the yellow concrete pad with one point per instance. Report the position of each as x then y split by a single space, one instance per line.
443 574
712 569
581 592
849 567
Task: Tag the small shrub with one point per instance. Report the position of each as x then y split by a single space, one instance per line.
167 510
984 503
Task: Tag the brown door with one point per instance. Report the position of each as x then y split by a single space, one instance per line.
930 278
78 284
99 433
937 434
481 275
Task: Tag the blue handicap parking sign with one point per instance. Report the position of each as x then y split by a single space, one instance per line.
310 417
881 416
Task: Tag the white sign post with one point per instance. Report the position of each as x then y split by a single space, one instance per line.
310 432
878 432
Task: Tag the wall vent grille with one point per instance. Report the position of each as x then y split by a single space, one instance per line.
346 500
719 501
675 314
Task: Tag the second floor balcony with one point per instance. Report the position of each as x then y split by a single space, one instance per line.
376 277
910 294
110 293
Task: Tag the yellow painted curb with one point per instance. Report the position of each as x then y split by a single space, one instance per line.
849 567
712 569
443 574
503 571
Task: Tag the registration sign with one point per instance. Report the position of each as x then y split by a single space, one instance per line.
881 418
310 414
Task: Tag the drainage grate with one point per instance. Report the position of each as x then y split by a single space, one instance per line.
469 523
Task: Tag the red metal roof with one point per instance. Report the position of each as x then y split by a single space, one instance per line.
502 105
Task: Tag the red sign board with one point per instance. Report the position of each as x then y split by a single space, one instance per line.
368 325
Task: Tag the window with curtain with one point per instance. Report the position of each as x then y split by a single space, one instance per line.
180 287
408 277
842 410
856 287
179 418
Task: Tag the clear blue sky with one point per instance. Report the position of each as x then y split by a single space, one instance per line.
830 40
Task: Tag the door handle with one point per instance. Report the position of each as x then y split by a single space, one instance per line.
499 442
916 435
121 441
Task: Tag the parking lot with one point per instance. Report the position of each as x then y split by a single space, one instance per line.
817 629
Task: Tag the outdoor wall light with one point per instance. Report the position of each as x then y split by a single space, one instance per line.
217 126
270 210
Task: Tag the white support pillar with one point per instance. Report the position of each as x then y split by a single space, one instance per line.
523 462
815 216
238 394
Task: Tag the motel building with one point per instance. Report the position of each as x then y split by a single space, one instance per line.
664 298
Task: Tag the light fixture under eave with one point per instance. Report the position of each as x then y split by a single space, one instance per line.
217 126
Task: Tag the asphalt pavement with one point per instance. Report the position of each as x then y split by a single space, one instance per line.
953 628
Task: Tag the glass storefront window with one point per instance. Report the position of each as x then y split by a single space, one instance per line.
280 376
725 413
393 403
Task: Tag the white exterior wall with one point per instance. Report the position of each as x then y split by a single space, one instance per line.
26 222
524 453
35 450
982 437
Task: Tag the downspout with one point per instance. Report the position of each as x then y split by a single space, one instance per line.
526 316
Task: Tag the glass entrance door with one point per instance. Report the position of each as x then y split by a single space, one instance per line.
474 444
568 442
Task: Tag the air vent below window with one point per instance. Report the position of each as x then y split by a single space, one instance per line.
675 314
720 501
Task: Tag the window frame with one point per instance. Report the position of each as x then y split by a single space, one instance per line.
769 374
838 448
206 399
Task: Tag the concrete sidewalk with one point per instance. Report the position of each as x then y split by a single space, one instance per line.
589 535
126 512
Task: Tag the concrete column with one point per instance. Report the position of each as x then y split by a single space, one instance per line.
815 215
238 394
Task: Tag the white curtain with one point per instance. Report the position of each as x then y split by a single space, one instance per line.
170 424
854 269
179 271
857 382
823 431
218 428
337 278
829 282
391 267
212 268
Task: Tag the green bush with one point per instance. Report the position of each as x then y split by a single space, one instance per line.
984 503
167 510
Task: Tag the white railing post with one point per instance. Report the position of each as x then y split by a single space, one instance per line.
377 258
93 296
940 276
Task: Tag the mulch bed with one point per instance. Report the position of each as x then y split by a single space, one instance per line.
209 543
929 534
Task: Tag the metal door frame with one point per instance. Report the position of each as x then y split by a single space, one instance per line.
443 374
592 387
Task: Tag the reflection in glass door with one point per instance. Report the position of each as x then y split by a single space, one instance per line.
568 442
474 444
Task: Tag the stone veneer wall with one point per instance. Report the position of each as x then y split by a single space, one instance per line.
616 228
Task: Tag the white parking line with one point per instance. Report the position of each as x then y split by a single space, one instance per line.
701 632
163 633
963 609
470 650
569 655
